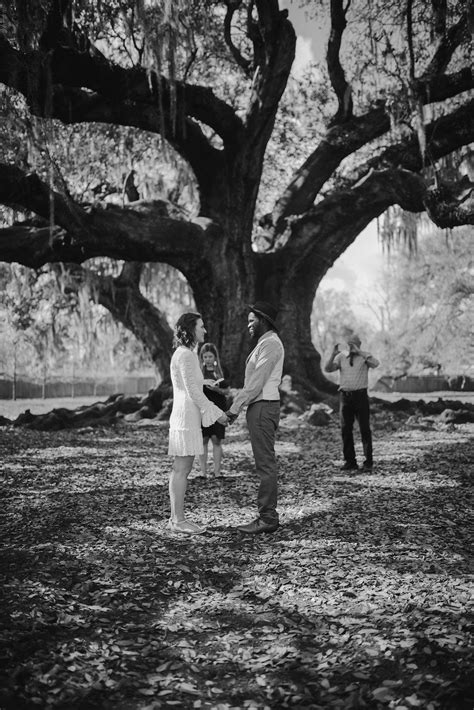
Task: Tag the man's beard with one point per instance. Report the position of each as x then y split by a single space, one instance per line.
254 336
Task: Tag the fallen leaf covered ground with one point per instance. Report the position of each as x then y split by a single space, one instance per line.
359 600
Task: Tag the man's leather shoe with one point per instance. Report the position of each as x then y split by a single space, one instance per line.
258 526
348 466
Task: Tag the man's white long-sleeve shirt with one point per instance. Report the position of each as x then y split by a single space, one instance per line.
263 372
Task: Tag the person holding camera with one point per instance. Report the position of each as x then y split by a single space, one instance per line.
353 369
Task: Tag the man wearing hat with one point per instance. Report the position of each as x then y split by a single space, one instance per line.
354 401
260 393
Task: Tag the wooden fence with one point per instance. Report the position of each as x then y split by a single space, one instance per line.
26 388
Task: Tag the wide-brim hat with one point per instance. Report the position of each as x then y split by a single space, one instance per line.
265 310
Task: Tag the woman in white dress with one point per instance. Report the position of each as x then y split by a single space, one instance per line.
191 409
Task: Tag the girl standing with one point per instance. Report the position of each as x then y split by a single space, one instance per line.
215 388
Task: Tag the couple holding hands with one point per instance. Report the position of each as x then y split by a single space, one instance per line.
193 410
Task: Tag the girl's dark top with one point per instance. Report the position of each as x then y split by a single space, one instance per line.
219 399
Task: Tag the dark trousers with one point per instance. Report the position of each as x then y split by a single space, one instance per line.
262 420
355 405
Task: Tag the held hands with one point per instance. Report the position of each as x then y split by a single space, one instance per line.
231 416
227 418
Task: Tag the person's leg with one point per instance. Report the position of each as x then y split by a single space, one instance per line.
346 412
203 457
363 415
262 420
182 466
217 455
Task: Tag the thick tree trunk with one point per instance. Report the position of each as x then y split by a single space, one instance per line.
223 285
303 361
234 280
292 286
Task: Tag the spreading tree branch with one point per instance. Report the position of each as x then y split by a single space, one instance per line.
139 232
57 30
336 73
128 306
341 141
68 69
451 40
439 8
411 51
130 273
121 296
28 192
451 204
274 43
323 233
319 236
443 136
245 64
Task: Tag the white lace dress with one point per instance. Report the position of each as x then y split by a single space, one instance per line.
191 407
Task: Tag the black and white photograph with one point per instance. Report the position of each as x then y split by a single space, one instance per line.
236 354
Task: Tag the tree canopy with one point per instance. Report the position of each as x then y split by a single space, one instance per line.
174 132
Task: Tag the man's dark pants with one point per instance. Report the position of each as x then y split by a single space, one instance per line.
262 420
355 405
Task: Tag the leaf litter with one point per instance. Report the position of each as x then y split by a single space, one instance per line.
361 599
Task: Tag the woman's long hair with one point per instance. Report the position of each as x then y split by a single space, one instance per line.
185 330
211 348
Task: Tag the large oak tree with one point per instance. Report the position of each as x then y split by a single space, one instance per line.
398 79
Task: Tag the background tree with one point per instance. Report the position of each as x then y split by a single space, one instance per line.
333 320
426 306
209 78
51 329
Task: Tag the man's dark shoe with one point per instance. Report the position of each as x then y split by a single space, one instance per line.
367 466
258 526
350 466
